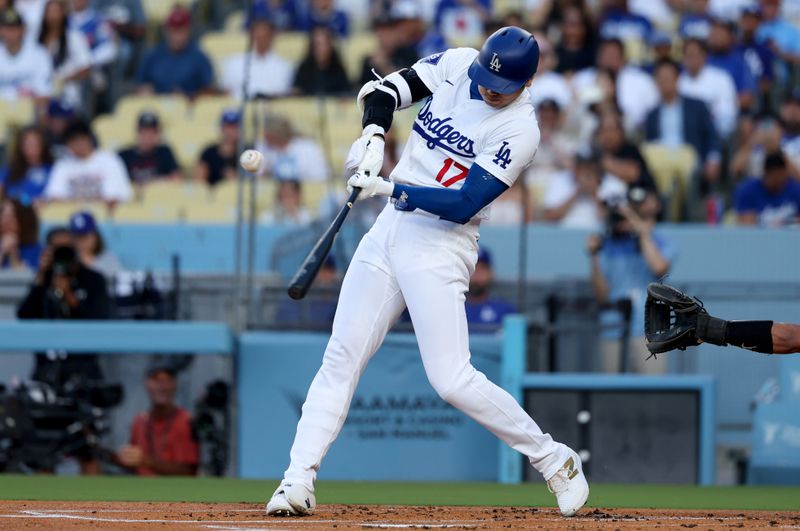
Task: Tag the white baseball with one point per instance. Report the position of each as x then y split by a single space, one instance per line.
250 160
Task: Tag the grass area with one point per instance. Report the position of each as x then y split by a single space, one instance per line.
234 490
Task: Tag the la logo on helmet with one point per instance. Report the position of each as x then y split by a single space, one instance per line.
494 64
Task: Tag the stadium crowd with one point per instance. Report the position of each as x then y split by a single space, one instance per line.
696 102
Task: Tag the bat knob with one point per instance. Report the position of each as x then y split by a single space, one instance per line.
296 292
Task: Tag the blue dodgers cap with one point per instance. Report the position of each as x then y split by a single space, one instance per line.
230 117
58 109
660 38
260 12
485 256
507 60
82 223
752 9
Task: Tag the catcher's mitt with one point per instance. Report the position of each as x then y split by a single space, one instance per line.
673 319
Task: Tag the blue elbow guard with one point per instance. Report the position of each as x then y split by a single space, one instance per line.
480 188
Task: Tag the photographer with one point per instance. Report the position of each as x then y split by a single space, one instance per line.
65 289
623 262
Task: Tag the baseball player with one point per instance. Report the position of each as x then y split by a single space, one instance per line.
675 320
474 134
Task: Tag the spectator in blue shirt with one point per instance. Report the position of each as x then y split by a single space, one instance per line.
324 13
773 200
19 236
779 34
696 22
630 256
758 56
618 22
177 65
484 312
723 54
31 163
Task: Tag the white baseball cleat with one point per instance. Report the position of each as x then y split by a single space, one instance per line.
570 486
291 499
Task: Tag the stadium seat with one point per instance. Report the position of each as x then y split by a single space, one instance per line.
59 213
220 45
292 46
672 169
170 109
188 139
115 132
14 114
157 10
235 22
354 50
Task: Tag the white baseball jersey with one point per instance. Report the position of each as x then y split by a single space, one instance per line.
455 128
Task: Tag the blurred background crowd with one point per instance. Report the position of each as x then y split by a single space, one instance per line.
135 111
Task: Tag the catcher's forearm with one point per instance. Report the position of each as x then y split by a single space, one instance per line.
751 335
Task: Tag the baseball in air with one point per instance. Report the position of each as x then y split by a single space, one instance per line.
251 160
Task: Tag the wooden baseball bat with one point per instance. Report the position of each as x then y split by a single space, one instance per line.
308 270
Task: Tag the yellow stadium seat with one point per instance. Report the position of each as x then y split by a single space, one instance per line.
235 22
157 10
210 108
672 169
170 109
115 132
220 45
189 138
292 46
15 114
354 50
58 213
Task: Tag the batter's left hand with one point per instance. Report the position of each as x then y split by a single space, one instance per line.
366 153
370 186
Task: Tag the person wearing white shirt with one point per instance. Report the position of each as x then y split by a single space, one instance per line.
270 75
88 174
550 85
288 156
572 198
25 68
69 51
636 91
31 12
712 85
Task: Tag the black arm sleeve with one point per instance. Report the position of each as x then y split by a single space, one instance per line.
379 106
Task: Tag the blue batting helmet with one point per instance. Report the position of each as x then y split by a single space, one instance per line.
508 59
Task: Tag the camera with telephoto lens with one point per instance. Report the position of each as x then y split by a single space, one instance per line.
211 426
65 261
40 425
614 203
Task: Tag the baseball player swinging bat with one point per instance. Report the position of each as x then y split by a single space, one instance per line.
473 135
308 270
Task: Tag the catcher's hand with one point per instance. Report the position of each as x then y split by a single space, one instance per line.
673 319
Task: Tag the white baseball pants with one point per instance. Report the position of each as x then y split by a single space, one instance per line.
414 260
